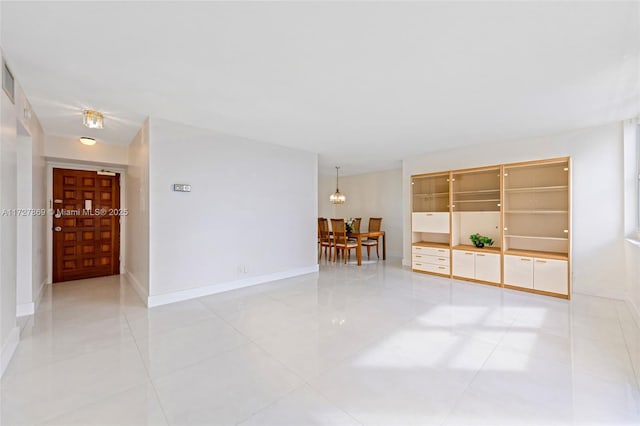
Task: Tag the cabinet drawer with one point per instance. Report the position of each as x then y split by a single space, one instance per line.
436 222
428 267
464 264
518 271
434 260
488 267
430 251
551 275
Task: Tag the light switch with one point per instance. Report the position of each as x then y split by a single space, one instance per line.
181 187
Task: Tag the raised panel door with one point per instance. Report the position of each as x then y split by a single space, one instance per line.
86 224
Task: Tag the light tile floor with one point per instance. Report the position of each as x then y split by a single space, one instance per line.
374 345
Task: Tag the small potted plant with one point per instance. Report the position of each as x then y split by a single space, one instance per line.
480 240
349 224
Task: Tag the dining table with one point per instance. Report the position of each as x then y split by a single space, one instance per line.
359 236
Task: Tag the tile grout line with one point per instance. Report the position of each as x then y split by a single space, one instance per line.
468 385
342 360
626 345
153 386
51 418
303 381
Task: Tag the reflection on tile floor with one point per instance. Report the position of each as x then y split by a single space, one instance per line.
375 345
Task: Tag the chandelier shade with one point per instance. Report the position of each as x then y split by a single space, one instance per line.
92 119
337 197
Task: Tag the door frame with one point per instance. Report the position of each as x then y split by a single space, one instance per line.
91 167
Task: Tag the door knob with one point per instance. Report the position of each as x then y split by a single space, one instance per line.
58 228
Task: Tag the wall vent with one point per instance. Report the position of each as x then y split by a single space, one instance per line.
8 83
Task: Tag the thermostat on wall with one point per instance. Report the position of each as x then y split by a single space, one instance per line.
181 187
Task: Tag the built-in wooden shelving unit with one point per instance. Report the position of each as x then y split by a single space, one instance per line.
524 207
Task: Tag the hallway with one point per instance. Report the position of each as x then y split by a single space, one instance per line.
370 345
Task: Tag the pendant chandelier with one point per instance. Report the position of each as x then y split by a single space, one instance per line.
337 197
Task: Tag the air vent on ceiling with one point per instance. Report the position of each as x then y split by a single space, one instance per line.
8 83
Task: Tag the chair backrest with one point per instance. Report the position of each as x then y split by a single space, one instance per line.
356 224
339 229
375 223
323 230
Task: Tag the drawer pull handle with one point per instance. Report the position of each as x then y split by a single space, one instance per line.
469 254
525 260
441 258
442 251
480 254
541 261
441 267
417 255
418 264
429 214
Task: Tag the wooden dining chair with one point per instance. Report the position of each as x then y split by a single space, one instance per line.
355 226
340 240
324 238
375 223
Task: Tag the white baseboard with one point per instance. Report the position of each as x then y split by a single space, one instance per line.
25 309
38 298
635 310
144 295
8 349
177 296
616 295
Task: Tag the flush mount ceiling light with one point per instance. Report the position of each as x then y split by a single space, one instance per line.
92 119
87 141
337 197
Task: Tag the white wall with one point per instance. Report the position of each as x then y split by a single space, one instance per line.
597 210
251 215
31 237
39 201
8 228
24 224
368 195
63 148
631 182
137 221
22 238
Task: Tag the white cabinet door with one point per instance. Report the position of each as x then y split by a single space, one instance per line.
518 271
551 275
464 264
488 267
436 222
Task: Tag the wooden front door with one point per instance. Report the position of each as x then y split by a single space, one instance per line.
86 224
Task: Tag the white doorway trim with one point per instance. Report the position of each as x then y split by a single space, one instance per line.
25 296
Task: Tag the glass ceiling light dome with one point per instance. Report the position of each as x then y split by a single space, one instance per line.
337 197
87 141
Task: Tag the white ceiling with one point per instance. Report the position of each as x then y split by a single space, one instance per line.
362 84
